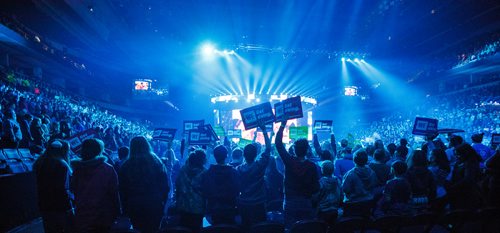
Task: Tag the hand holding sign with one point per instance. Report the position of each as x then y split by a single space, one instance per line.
259 114
288 109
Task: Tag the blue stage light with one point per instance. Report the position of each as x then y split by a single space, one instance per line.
208 49
356 60
343 59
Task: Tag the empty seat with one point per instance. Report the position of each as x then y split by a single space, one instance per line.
11 154
359 209
420 222
455 219
221 229
268 227
309 226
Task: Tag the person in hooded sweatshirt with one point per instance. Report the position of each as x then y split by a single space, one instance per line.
53 174
95 186
330 194
220 187
301 180
252 200
359 182
189 201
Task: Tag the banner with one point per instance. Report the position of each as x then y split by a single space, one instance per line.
299 132
323 125
164 134
199 137
219 130
234 133
76 140
243 142
269 128
425 126
258 114
290 108
190 125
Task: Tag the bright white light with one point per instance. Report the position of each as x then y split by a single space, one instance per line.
356 60
348 59
362 60
343 59
208 50
258 100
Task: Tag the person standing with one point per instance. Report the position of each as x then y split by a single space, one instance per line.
95 186
143 186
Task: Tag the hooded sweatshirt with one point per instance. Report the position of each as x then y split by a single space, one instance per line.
330 194
358 184
220 187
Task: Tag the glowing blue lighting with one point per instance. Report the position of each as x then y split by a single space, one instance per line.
356 60
348 59
208 49
343 59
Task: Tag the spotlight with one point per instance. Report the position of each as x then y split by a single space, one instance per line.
343 59
356 60
362 60
348 59
208 49
232 52
258 100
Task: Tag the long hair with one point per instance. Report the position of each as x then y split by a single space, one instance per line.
417 158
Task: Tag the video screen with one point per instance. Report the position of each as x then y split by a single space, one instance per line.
351 91
142 85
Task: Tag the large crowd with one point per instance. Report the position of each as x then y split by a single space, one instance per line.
148 181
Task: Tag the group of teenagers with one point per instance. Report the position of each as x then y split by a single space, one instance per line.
87 194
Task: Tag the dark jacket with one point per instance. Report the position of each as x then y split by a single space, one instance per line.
220 186
330 194
95 185
397 197
253 186
422 182
143 184
52 179
382 171
38 137
359 184
188 197
11 133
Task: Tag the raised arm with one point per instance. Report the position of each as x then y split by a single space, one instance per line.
333 144
317 146
267 141
279 143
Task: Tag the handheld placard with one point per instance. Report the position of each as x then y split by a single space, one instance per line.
164 134
290 108
258 114
425 126
298 132
323 125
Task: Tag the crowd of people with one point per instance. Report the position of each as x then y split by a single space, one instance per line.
225 184
479 52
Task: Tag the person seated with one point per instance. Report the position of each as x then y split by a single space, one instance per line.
252 199
220 185
397 192
359 182
95 186
329 197
301 179
422 182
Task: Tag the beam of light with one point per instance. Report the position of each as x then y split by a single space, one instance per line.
208 50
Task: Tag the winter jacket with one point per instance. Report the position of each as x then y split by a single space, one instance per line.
382 171
143 183
358 184
52 178
95 186
330 194
187 191
220 187
253 186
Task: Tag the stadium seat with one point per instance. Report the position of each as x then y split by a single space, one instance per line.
389 223
489 219
350 224
14 162
359 209
268 227
309 226
221 229
275 205
420 222
455 219
176 230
